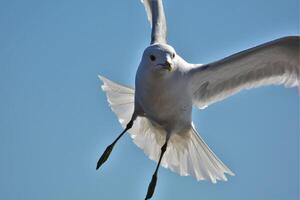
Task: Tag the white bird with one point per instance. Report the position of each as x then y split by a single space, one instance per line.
158 112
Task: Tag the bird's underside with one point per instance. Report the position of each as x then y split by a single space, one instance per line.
157 113
187 154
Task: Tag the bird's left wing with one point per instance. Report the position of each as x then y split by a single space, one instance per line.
157 19
275 62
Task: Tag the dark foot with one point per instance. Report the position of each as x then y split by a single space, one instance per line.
151 187
104 156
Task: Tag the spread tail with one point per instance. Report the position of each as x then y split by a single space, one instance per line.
187 154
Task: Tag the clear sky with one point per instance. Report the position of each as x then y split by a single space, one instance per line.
55 121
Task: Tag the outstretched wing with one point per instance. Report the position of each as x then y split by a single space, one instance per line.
157 19
275 62
187 154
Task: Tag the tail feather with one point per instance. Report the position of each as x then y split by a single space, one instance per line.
187 154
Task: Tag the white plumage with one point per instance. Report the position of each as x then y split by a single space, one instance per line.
276 62
187 155
167 87
273 63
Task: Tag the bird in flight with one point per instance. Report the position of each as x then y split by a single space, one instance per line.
158 112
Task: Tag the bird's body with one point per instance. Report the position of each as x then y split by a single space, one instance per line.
165 99
158 112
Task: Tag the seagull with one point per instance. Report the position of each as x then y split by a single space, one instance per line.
158 112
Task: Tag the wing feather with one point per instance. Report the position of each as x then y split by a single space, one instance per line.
157 19
275 62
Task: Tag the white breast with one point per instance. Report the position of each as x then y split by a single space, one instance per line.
164 98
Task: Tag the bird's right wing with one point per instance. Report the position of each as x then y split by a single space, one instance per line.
275 62
157 19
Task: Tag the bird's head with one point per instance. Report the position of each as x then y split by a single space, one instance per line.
159 58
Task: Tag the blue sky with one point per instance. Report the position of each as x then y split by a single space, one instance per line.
55 121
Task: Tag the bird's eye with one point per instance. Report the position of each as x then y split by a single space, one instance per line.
173 55
152 57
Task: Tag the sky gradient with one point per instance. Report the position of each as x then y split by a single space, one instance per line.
55 121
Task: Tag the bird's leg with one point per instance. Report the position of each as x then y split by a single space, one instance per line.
152 184
109 148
